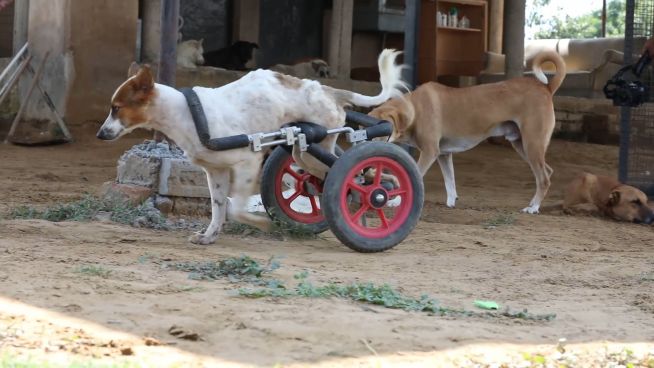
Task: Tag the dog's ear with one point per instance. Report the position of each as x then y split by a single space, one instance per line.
200 41
133 69
614 198
143 81
316 64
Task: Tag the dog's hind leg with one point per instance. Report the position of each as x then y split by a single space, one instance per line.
447 168
425 160
535 142
244 184
218 180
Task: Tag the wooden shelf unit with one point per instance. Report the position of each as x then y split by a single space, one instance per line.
447 50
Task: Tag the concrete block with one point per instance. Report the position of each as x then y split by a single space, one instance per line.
180 178
133 194
192 206
137 170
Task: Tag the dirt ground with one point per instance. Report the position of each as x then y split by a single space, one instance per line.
597 275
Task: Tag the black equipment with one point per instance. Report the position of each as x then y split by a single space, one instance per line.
627 90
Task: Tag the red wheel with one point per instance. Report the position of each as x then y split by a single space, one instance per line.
374 215
291 195
373 196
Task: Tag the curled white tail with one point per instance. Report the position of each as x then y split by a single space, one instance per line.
536 67
390 76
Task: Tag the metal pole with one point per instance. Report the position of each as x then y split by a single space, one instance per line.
603 18
22 108
168 54
13 62
411 20
4 91
625 112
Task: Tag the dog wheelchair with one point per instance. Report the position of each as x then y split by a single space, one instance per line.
372 196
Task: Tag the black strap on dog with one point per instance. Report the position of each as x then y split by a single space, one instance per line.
202 127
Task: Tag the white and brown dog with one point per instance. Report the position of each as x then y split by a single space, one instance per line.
440 121
261 101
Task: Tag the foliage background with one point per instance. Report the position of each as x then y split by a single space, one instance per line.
542 23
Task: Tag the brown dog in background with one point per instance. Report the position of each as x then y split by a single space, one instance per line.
614 199
440 121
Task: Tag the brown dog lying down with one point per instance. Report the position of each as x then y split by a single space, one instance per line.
441 121
614 199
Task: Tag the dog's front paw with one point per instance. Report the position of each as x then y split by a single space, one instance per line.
202 239
451 202
531 210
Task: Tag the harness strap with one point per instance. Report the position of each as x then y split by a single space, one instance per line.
197 112
202 127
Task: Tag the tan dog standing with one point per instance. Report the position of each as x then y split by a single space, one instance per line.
614 199
440 121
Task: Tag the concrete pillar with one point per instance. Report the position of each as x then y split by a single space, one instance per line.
21 18
151 31
496 26
514 38
340 41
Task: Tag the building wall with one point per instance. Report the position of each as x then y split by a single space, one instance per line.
207 19
101 57
6 30
290 30
91 44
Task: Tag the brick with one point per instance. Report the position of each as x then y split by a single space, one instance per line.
180 178
192 206
137 170
134 194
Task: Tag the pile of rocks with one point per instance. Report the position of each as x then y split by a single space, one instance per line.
161 172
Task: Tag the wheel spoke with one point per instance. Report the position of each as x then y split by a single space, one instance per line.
357 215
292 173
357 187
314 206
396 192
378 174
382 217
290 199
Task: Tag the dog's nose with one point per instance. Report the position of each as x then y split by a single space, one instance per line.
102 135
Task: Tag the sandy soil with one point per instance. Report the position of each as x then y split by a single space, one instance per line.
595 274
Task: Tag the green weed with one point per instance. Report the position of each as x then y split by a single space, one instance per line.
236 269
503 219
87 208
382 295
94 270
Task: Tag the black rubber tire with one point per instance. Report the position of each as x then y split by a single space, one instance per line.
334 183
271 167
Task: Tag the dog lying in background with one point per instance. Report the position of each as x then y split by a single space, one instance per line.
440 121
261 101
189 53
234 57
310 69
613 199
